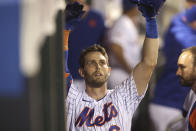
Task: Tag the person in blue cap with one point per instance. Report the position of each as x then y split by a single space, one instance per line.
169 95
124 47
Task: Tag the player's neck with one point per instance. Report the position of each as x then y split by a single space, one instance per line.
97 93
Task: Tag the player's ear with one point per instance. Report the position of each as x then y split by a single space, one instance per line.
81 72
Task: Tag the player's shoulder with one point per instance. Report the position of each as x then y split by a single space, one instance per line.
95 13
126 84
110 91
121 21
73 92
178 24
190 99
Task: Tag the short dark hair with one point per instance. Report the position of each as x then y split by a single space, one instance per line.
93 48
193 52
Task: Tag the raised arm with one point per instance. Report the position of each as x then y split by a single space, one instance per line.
68 77
143 71
73 12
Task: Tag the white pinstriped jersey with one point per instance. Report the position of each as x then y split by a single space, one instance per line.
187 107
112 113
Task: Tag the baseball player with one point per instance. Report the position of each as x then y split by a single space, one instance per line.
95 107
168 94
187 74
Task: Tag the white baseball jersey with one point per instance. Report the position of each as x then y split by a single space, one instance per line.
125 34
112 113
188 104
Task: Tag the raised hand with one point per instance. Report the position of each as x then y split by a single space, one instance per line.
73 13
149 8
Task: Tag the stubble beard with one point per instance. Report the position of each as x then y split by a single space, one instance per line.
96 82
189 82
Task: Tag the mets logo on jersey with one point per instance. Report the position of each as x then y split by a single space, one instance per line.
86 117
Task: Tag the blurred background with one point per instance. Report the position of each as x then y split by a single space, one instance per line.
32 90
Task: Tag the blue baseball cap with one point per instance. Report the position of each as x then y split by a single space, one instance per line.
127 5
190 14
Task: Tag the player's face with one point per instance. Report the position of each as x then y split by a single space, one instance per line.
96 70
186 70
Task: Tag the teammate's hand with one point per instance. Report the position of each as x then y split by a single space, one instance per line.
149 8
73 13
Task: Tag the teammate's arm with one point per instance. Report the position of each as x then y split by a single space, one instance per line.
143 71
68 77
73 13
